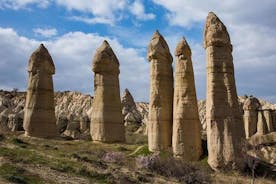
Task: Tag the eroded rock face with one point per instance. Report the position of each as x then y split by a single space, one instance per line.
186 138
161 94
250 116
106 118
39 117
225 129
129 110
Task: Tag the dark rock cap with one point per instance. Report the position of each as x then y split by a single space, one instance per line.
215 32
158 47
41 60
183 48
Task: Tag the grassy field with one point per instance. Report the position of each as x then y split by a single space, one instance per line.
33 160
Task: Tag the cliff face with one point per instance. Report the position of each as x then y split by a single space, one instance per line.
73 113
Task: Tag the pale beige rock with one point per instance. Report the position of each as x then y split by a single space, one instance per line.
39 117
261 124
225 129
161 94
268 120
186 138
106 117
250 116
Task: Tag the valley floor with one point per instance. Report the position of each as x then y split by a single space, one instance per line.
33 160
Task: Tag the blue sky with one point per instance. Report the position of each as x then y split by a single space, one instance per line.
72 30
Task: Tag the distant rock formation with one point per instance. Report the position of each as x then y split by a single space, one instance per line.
250 116
106 118
186 138
39 117
75 108
161 94
225 129
129 110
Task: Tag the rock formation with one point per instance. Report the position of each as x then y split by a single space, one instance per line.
268 120
225 129
261 124
250 116
39 117
129 110
106 118
186 138
161 94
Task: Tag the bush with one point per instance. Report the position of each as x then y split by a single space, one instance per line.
171 167
114 157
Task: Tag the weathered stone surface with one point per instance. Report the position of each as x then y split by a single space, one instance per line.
268 120
186 138
250 117
261 124
39 117
106 118
161 94
225 129
129 110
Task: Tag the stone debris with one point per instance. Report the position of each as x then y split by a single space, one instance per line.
225 129
186 138
161 94
106 117
39 117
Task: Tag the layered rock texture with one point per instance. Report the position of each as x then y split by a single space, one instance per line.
39 117
161 94
129 110
250 116
225 129
186 138
106 117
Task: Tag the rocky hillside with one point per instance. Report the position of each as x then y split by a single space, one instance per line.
73 112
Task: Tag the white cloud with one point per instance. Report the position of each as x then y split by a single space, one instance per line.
251 25
72 54
45 32
102 11
19 4
138 9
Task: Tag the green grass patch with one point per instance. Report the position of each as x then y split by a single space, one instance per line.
141 151
18 175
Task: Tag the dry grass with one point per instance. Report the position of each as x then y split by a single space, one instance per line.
32 160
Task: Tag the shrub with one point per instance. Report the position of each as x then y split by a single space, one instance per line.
171 167
114 157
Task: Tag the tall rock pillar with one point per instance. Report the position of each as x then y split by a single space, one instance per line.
225 129
39 117
106 118
186 139
161 94
250 116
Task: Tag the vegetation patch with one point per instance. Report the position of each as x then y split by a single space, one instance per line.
18 175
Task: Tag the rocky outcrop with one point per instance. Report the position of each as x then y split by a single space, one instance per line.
130 113
39 116
106 118
225 130
186 138
250 117
161 94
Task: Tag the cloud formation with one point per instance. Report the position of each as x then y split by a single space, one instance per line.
45 32
72 54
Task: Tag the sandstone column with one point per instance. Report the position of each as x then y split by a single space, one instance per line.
268 119
161 94
106 117
186 138
250 116
225 129
261 124
39 117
